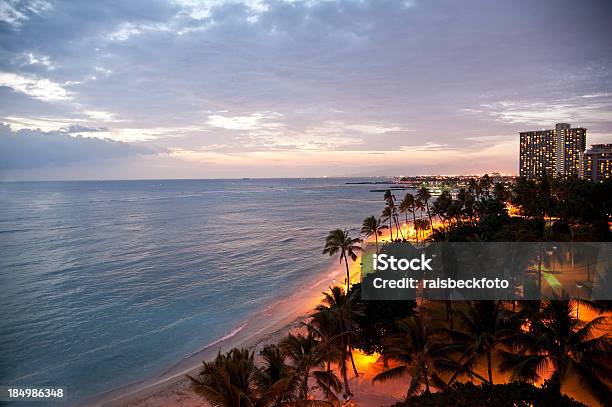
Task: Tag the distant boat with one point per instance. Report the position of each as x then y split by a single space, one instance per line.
246 179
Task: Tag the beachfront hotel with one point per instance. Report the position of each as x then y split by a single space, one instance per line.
596 163
554 151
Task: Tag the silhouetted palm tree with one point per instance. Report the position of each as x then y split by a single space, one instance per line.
424 196
416 351
275 377
485 324
442 206
559 341
500 193
342 310
339 241
307 355
390 213
325 329
372 226
228 380
408 204
387 215
420 206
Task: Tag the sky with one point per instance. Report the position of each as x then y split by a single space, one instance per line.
145 89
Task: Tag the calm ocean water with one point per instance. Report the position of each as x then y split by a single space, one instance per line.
105 283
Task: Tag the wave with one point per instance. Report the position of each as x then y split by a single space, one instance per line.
231 334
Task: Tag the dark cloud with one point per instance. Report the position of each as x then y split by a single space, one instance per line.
27 149
77 128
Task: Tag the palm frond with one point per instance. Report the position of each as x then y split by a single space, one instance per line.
392 373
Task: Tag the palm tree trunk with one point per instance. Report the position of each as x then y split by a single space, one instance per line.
414 224
426 380
350 350
348 276
489 368
345 378
304 387
429 216
391 226
398 229
376 238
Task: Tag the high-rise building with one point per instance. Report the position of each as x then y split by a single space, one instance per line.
596 162
555 151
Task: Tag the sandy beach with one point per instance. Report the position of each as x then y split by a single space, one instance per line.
270 325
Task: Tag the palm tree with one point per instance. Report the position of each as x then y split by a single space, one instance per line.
444 204
485 326
342 310
387 215
416 352
372 226
418 204
392 211
275 377
408 204
325 329
307 355
422 225
559 341
500 193
227 381
339 241
528 314
424 195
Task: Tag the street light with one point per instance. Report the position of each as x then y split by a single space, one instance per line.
579 285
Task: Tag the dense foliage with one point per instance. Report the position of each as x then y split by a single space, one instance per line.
557 209
515 394
378 321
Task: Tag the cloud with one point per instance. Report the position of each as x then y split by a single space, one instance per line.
270 130
27 149
253 121
30 58
597 108
15 12
306 76
100 115
429 146
77 128
42 89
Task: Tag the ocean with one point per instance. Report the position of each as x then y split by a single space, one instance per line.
109 282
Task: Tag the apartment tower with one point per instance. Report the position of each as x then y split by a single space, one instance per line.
556 152
596 163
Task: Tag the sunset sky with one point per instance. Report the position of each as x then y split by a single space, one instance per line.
217 89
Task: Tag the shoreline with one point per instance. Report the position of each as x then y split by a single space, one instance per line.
267 325
176 385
